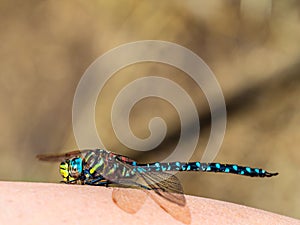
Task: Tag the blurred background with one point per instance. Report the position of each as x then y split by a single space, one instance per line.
252 46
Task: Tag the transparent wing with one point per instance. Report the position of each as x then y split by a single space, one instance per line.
164 184
165 189
179 212
129 200
60 157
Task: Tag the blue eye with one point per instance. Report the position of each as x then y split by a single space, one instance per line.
75 167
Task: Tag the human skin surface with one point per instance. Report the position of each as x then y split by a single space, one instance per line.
45 203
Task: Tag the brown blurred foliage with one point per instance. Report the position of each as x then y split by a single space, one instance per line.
252 47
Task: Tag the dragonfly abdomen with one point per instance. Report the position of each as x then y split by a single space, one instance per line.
204 167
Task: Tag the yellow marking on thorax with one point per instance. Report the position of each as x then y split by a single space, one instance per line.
94 168
124 171
112 170
88 156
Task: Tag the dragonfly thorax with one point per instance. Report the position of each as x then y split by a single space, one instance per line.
71 169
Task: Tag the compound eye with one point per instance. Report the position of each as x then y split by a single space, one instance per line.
75 167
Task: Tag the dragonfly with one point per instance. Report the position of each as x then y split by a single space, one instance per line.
100 167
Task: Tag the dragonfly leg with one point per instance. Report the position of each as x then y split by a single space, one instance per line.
100 181
69 182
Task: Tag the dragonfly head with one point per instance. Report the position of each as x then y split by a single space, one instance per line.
71 169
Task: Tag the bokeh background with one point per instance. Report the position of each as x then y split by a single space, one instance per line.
252 46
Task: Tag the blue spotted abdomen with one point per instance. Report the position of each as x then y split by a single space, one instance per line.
204 167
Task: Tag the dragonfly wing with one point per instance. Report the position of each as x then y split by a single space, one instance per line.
179 212
165 189
129 200
134 179
165 185
60 157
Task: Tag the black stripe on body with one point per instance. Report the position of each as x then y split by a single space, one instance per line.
108 165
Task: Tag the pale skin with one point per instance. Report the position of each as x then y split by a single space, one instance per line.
44 203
